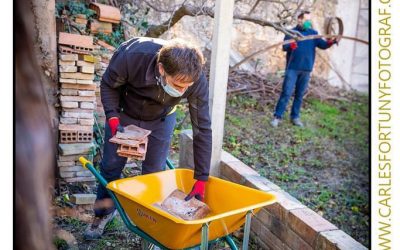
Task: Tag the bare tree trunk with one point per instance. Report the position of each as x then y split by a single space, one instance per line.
34 143
45 45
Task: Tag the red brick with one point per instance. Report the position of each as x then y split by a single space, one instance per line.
308 224
65 163
87 58
65 98
68 68
270 239
80 179
105 45
100 27
83 199
255 226
106 13
86 93
66 80
83 63
283 232
77 114
86 105
236 171
71 168
75 40
69 91
75 127
86 121
63 63
67 174
260 182
82 81
78 75
81 20
86 69
78 86
69 104
69 57
227 157
284 203
84 173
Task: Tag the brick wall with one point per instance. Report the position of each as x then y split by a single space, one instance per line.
286 224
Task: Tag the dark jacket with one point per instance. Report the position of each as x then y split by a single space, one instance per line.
303 57
129 85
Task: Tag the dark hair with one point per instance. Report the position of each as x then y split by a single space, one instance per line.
181 59
301 15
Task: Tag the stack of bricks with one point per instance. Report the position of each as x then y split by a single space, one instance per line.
78 101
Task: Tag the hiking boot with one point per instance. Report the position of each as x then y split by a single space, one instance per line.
297 122
275 122
96 229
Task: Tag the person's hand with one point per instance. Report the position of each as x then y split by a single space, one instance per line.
197 191
113 122
293 45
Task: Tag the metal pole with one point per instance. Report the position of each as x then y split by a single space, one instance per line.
246 236
204 237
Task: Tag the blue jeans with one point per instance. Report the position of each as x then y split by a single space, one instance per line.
294 80
157 151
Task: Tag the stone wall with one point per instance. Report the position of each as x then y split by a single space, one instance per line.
286 224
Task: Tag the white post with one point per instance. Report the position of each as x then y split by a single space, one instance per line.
221 45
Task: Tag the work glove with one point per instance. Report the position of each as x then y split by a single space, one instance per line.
331 41
113 122
293 45
197 191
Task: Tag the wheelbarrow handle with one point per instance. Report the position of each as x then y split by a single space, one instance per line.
84 161
89 165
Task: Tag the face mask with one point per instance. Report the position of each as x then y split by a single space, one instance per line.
169 89
307 25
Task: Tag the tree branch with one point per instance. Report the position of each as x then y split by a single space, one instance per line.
191 10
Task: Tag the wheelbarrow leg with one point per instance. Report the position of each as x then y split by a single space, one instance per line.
145 245
231 243
204 237
246 235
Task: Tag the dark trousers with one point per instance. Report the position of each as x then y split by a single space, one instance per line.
157 151
294 80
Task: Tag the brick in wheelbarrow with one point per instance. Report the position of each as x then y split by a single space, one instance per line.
176 205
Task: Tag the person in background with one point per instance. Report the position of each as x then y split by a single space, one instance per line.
300 57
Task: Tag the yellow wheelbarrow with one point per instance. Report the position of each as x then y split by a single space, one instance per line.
231 205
